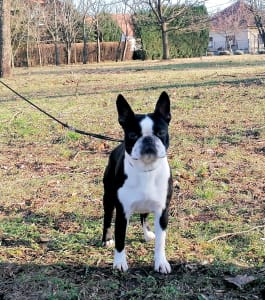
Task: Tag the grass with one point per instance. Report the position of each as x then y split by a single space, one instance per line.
51 181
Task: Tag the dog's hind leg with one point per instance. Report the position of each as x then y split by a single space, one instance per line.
107 239
148 234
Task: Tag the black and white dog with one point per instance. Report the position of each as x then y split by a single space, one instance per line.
138 179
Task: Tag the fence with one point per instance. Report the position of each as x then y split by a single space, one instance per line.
44 54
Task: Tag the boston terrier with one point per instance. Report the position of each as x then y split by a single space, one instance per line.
138 179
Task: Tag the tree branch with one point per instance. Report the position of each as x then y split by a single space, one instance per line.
235 233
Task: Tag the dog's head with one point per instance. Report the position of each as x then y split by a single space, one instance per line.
146 136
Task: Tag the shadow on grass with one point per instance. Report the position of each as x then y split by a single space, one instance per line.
187 281
153 67
209 83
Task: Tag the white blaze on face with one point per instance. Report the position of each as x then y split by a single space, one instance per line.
147 125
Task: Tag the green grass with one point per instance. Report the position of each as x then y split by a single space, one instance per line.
51 180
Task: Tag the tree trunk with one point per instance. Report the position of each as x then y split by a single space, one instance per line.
85 46
39 52
98 51
260 27
5 39
57 53
27 48
69 49
165 41
124 49
56 37
75 54
98 43
118 51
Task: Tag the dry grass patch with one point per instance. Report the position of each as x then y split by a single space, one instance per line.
51 181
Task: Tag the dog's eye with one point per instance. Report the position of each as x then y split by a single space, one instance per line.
132 136
161 133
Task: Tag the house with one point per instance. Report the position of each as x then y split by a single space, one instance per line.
233 29
125 23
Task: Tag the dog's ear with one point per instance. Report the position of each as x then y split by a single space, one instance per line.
163 107
124 110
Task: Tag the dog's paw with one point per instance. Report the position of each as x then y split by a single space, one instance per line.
120 262
121 266
149 236
162 266
109 243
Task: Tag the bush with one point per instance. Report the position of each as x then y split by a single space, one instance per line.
188 44
239 52
139 54
224 52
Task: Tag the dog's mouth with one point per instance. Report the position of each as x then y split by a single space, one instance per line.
148 158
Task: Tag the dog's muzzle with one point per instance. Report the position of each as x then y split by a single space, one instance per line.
148 147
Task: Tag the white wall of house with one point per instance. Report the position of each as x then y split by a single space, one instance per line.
217 40
130 39
255 42
246 40
242 40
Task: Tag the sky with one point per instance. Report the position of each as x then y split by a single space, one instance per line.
215 5
212 5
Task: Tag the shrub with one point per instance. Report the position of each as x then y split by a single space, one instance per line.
139 54
224 52
239 52
181 44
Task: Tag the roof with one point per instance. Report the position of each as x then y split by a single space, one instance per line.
237 15
38 1
124 21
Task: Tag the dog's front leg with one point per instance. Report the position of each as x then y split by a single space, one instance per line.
161 263
120 261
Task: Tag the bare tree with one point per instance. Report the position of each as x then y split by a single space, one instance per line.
19 26
5 39
93 12
51 19
83 8
166 12
257 8
97 8
37 28
123 15
71 20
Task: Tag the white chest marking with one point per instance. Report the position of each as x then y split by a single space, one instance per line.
144 191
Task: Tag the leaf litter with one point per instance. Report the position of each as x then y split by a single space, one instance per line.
50 206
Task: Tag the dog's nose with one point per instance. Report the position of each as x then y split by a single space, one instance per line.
148 146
